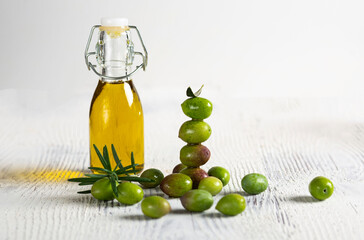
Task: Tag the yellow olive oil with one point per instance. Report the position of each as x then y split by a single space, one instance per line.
116 117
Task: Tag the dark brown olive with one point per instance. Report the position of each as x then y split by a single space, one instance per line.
196 174
179 167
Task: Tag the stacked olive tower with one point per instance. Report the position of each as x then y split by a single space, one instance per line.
194 132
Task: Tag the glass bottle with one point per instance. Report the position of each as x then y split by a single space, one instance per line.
116 114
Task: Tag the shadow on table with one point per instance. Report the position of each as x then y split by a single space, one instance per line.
242 193
303 199
154 192
216 215
180 212
136 217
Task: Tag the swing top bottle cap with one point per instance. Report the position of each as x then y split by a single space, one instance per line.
114 22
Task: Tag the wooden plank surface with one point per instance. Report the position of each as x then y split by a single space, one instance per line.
289 140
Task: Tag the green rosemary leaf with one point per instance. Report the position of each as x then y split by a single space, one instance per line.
135 179
81 179
116 158
84 192
100 169
133 162
120 172
125 172
106 157
86 183
102 160
113 185
96 175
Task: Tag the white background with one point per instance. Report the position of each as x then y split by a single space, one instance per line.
244 48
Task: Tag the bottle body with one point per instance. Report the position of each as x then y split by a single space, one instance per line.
116 117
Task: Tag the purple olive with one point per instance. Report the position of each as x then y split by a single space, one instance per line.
179 167
196 174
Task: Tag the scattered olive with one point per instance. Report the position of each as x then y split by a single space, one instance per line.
179 167
194 155
129 193
197 200
102 190
155 206
231 204
176 184
197 108
153 174
211 184
321 188
196 174
254 183
221 173
194 131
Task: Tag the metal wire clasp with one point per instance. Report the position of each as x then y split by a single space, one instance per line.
93 66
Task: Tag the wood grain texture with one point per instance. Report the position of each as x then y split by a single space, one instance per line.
289 140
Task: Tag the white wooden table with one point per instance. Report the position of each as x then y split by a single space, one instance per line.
289 140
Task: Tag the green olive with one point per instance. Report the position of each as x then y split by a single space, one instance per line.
178 168
155 206
176 184
197 200
102 190
153 174
231 204
254 183
221 173
211 184
129 193
197 108
321 188
194 131
194 155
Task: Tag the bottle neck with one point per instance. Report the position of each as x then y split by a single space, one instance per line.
114 51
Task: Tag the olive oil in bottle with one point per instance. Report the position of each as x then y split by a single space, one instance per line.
116 115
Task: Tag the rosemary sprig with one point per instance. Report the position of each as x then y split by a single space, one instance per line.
115 175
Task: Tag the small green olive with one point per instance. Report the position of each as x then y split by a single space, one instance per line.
194 131
321 188
254 183
211 184
194 155
155 206
197 108
179 167
231 204
102 190
153 174
221 173
197 200
129 193
176 184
